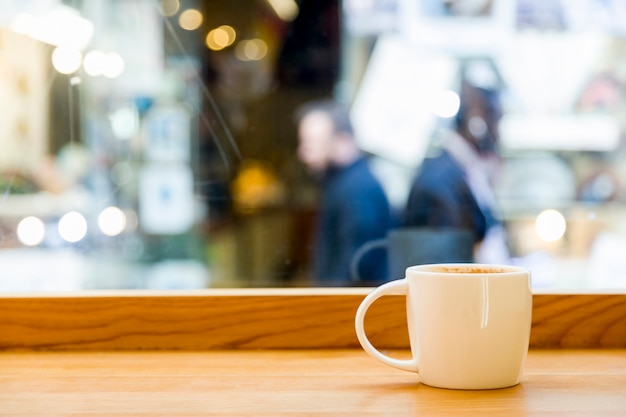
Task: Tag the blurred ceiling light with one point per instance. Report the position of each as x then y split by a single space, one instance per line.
93 63
124 122
113 65
62 26
221 37
446 104
169 7
110 65
31 231
190 19
550 225
23 23
251 50
286 10
112 221
72 227
66 60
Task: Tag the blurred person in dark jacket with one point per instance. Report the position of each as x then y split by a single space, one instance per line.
353 208
453 189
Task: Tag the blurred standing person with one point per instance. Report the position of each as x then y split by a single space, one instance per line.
354 208
453 189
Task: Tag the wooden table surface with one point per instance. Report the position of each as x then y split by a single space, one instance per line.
342 382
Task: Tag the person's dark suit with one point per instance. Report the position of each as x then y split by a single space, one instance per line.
354 210
441 198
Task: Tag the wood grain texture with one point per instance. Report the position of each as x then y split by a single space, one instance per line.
579 320
295 383
268 319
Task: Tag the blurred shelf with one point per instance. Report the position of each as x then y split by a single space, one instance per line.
43 204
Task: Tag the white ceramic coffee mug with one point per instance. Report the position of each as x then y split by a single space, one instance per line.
469 324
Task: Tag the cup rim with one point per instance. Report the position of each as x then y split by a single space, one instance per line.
466 269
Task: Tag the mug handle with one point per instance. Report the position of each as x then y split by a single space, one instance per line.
356 258
397 287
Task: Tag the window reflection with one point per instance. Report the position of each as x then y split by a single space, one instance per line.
152 143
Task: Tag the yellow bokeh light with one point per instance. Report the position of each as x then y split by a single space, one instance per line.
287 10
251 50
221 37
169 7
190 19
256 185
256 49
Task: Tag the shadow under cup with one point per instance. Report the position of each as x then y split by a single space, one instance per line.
418 246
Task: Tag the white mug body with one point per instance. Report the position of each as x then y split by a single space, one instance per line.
469 324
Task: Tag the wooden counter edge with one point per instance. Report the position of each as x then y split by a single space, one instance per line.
285 318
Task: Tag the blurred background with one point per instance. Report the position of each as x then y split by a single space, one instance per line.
152 144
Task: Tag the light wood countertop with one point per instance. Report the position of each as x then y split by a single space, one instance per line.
333 382
282 353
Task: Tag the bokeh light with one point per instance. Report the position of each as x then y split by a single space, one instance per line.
446 104
550 225
221 37
59 25
190 19
113 65
251 50
66 60
286 10
124 122
169 7
31 231
97 63
93 63
23 23
72 227
112 221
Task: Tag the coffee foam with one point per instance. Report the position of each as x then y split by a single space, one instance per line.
471 269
